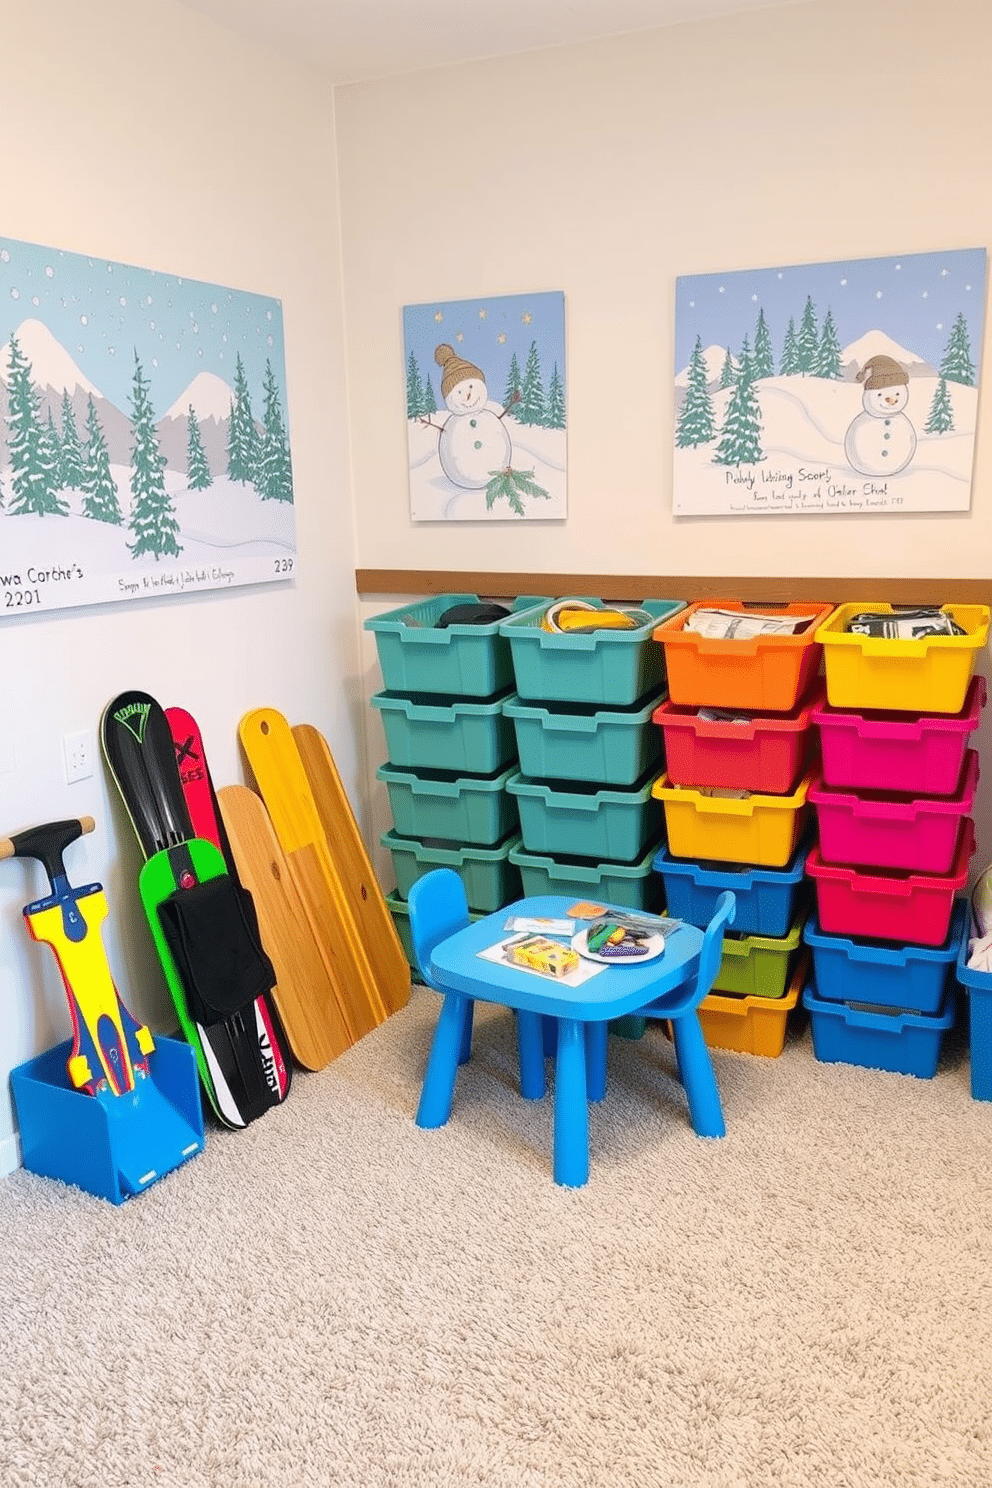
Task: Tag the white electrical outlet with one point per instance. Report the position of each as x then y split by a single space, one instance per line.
78 752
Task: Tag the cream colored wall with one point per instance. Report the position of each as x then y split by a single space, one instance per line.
142 133
833 130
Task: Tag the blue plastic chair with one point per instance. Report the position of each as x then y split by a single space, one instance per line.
438 908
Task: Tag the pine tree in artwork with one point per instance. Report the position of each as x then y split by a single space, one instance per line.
940 419
430 402
414 389
740 437
197 468
808 339
72 452
274 480
153 521
956 364
242 436
789 365
54 445
762 360
745 361
99 488
33 475
554 413
827 360
696 424
728 372
530 409
514 384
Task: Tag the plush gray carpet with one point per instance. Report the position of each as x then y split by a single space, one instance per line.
335 1297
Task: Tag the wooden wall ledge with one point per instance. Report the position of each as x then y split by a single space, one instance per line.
376 582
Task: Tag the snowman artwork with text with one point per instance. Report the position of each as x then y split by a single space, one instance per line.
474 447
881 440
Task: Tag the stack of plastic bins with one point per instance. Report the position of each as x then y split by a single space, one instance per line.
451 752
894 804
589 756
735 800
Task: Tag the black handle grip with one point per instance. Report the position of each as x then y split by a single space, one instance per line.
47 843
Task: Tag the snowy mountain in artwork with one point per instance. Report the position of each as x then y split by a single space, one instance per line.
51 365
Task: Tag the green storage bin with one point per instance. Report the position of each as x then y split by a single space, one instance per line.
490 879
400 911
428 732
581 741
631 885
580 819
469 660
440 803
757 965
613 667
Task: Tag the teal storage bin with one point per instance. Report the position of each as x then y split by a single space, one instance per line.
400 911
470 660
441 803
613 667
631 885
582 741
427 732
582 820
490 878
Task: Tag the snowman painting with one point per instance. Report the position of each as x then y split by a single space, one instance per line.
881 440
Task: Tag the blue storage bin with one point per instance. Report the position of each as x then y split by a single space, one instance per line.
766 897
904 1043
632 885
583 821
440 803
490 878
470 660
911 978
111 1148
581 741
603 666
428 732
978 986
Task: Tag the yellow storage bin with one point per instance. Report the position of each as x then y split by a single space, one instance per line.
925 676
751 1025
760 830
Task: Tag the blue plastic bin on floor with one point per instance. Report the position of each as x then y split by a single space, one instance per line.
632 885
113 1148
978 986
427 732
440 803
904 1043
602 666
766 897
581 741
491 879
471 660
912 978
578 819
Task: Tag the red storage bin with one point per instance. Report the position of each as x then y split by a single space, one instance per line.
767 753
890 830
920 754
911 908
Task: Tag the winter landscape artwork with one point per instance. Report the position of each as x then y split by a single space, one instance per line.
485 408
832 387
144 444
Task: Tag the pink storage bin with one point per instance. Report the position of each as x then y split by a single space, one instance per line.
889 830
921 755
912 908
767 754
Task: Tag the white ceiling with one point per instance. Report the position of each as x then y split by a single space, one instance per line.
350 40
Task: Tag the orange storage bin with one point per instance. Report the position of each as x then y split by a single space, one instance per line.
751 1025
767 673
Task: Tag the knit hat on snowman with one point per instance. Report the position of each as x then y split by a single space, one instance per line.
882 371
454 368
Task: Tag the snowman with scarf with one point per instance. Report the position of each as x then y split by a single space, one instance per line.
473 444
881 440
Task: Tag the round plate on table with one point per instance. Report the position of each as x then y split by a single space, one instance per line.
655 946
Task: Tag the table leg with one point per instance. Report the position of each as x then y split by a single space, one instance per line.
698 1079
571 1160
442 1062
530 1045
465 1052
596 1059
